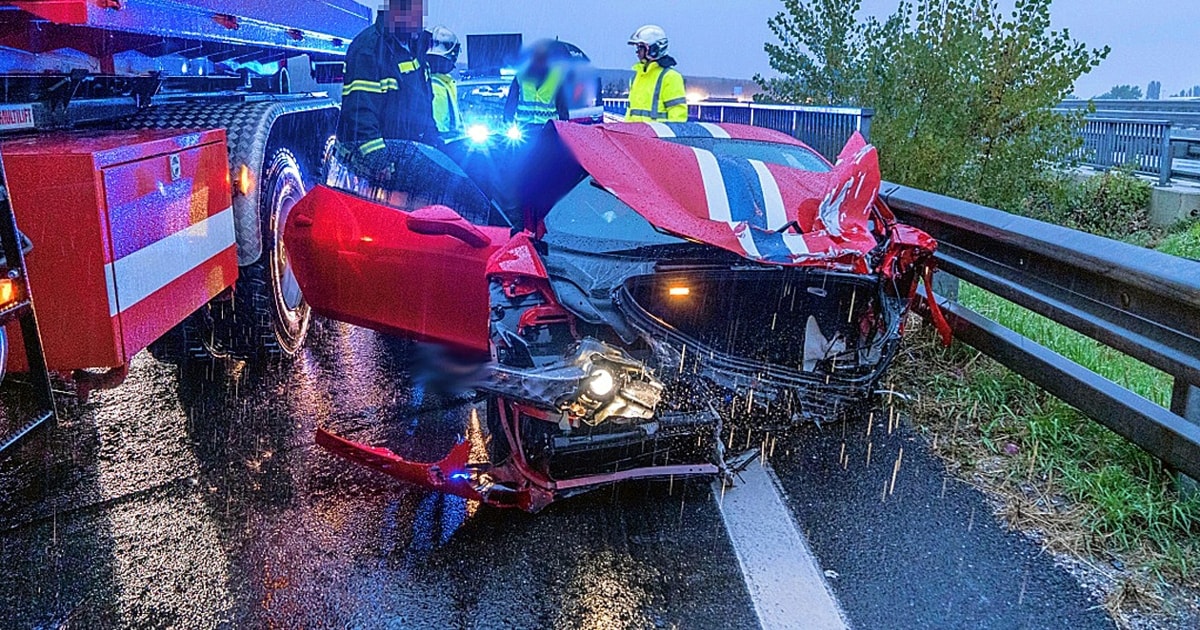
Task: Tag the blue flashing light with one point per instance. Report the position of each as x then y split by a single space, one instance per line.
514 133
460 476
479 134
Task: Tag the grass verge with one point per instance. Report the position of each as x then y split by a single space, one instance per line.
1083 489
1087 491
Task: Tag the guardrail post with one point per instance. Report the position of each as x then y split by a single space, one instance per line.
946 285
1165 158
1185 402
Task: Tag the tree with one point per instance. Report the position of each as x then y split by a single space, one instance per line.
1123 92
963 95
1154 91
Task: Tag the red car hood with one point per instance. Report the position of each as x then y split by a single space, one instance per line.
764 212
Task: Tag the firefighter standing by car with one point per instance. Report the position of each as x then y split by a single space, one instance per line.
443 54
658 93
386 131
538 93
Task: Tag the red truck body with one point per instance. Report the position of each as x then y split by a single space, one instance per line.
133 232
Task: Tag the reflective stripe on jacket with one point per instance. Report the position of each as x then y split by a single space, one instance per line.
657 94
445 104
386 94
539 102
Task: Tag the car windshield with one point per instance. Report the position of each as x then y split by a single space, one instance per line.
590 218
483 99
770 152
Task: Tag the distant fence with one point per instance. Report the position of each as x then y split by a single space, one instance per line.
1112 142
825 129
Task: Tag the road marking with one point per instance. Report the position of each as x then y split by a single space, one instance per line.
785 582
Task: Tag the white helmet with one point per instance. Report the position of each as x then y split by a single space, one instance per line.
444 44
654 38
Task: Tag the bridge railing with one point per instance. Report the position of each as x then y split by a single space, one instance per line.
1140 302
825 129
1115 142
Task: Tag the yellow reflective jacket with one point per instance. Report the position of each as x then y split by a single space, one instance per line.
445 104
538 103
658 93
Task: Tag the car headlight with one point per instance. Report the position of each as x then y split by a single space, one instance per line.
601 383
514 133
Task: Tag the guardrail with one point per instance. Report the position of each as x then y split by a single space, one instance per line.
1170 105
1112 142
1138 301
825 129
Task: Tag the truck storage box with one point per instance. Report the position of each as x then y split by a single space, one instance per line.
132 232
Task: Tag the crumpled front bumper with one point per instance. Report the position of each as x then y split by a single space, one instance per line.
452 475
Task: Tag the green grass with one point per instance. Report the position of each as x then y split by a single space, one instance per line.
1185 243
1120 368
985 417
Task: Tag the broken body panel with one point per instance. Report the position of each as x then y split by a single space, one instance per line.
671 281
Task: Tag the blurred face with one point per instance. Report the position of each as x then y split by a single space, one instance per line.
405 16
643 52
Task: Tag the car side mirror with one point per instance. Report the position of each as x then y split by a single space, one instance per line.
443 221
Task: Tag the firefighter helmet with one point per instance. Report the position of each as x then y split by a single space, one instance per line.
444 44
654 38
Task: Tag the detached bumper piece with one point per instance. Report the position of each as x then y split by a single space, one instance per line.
452 475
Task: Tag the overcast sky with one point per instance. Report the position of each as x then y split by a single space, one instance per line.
1151 39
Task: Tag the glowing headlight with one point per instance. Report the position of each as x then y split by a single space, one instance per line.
601 383
479 134
515 134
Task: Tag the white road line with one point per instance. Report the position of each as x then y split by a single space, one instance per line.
785 582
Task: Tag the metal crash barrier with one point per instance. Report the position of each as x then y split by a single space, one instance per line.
825 129
1143 303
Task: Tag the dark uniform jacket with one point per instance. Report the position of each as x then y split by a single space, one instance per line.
386 94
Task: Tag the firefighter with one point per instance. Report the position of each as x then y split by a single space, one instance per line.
387 102
658 93
443 56
538 93
386 132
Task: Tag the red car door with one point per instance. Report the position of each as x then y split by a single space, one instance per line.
415 274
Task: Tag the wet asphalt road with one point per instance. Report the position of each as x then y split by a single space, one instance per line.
198 500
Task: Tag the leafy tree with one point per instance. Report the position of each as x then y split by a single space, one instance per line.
1154 91
962 93
1123 92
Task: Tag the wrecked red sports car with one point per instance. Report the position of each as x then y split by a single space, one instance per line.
674 290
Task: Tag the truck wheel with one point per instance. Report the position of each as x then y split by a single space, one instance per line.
285 188
268 316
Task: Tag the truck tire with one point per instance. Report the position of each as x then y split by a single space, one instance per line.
267 316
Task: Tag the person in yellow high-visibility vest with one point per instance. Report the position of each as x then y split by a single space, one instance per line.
442 57
537 94
658 93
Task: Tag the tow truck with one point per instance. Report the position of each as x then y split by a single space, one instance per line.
151 152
